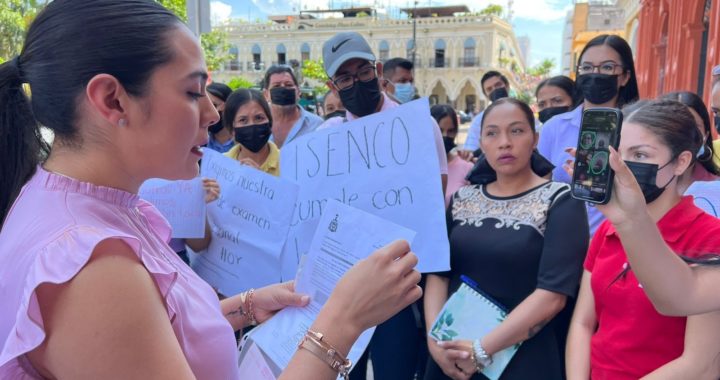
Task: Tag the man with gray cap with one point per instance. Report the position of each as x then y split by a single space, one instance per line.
396 346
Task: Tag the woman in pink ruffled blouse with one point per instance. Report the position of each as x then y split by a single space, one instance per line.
89 288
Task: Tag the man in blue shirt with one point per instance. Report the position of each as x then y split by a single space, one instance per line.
494 86
290 121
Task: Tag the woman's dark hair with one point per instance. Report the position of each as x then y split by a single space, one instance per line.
564 83
483 173
695 103
69 43
671 121
240 98
529 115
278 69
441 111
219 90
628 93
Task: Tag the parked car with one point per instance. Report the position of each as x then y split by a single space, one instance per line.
464 117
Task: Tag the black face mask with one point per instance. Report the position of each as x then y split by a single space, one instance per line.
449 143
646 174
283 96
253 137
717 123
217 127
363 98
548 113
337 113
598 88
499 93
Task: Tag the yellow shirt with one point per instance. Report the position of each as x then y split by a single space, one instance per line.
716 150
270 166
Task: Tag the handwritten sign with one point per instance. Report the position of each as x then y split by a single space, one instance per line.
707 196
384 164
249 224
182 203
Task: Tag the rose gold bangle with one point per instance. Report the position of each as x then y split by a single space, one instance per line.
249 307
315 343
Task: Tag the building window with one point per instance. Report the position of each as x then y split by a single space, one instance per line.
384 51
304 53
410 48
469 59
234 63
439 60
281 54
257 58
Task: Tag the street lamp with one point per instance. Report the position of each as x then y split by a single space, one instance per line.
414 49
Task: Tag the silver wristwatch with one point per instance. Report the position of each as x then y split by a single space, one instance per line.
482 358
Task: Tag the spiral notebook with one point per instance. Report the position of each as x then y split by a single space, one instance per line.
470 314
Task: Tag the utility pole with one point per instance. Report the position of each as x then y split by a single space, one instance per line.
198 12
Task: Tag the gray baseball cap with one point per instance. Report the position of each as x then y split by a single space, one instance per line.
343 47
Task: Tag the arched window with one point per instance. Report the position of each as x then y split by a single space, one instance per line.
439 54
234 63
410 47
257 63
469 59
305 52
281 54
384 51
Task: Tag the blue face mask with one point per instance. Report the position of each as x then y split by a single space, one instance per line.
404 92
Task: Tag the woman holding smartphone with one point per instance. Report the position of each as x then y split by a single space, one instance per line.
606 78
616 333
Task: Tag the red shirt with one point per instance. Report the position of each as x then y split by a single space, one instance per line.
632 338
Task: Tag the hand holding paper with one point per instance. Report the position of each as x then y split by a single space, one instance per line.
378 287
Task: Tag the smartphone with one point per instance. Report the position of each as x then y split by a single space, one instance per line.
593 178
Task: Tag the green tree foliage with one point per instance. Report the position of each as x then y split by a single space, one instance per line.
179 7
15 18
543 68
216 49
492 10
313 69
239 82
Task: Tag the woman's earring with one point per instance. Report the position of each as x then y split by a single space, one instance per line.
122 123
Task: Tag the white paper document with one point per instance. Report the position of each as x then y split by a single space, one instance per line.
344 236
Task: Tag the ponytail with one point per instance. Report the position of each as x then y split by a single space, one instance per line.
21 145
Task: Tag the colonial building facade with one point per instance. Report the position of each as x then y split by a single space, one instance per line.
453 52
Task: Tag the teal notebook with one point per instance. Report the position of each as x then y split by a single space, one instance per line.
469 314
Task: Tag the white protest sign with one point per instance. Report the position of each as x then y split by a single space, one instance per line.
385 164
249 224
182 203
707 196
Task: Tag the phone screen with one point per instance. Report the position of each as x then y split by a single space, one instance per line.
593 177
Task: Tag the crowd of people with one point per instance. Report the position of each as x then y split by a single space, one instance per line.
92 286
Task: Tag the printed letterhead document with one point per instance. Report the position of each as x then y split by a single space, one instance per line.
470 314
344 236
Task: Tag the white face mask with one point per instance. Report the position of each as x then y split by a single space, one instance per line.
404 92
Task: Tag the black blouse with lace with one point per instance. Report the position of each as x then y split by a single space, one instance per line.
513 245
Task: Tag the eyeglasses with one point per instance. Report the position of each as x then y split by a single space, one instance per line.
344 82
604 68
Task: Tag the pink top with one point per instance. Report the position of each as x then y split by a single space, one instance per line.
458 169
49 235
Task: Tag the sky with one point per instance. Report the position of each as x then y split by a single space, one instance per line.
541 20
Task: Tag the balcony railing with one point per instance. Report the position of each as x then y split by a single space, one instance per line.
439 63
468 62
